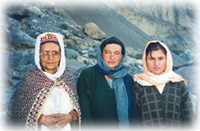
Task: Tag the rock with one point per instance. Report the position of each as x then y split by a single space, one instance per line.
74 65
35 21
173 13
20 60
93 31
13 23
190 74
132 70
66 34
35 10
71 54
84 52
130 51
87 61
17 13
109 21
171 23
177 60
132 61
19 38
64 26
189 55
18 64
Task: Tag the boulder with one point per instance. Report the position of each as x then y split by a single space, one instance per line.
74 65
13 23
93 31
71 54
19 38
190 74
35 10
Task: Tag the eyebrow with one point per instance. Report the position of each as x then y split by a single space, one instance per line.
110 50
154 57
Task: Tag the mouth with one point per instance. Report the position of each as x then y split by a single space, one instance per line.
156 68
111 62
50 63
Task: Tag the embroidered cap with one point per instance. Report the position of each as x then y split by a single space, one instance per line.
49 38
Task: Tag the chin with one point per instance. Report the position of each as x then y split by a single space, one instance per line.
158 73
111 66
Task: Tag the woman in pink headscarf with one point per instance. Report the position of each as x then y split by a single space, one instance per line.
162 95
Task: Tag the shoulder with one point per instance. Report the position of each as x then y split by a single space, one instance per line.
138 87
33 72
137 84
89 71
67 75
129 76
181 85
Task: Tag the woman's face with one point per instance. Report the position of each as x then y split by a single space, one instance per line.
112 55
156 62
50 57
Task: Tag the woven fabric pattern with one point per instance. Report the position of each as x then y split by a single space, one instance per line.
32 94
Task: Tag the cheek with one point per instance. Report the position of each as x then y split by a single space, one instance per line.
105 57
119 59
42 61
164 65
148 63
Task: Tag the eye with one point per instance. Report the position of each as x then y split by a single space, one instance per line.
106 52
117 53
45 53
161 58
151 58
55 52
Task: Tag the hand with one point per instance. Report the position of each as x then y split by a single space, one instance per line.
48 120
62 120
55 120
74 114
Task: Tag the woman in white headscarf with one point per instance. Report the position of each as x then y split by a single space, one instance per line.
46 98
162 95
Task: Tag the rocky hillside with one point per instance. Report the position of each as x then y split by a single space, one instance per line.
83 27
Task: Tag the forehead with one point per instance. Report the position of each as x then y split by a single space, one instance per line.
156 53
113 47
50 46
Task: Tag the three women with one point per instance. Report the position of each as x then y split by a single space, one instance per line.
107 93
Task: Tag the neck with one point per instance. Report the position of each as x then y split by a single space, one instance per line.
51 71
108 78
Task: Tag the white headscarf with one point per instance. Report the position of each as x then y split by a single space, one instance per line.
148 78
62 65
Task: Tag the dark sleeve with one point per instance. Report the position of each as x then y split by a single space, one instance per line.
84 92
137 89
187 104
135 116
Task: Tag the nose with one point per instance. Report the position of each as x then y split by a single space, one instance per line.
112 57
50 56
156 62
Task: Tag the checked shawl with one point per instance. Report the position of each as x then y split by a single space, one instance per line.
171 108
